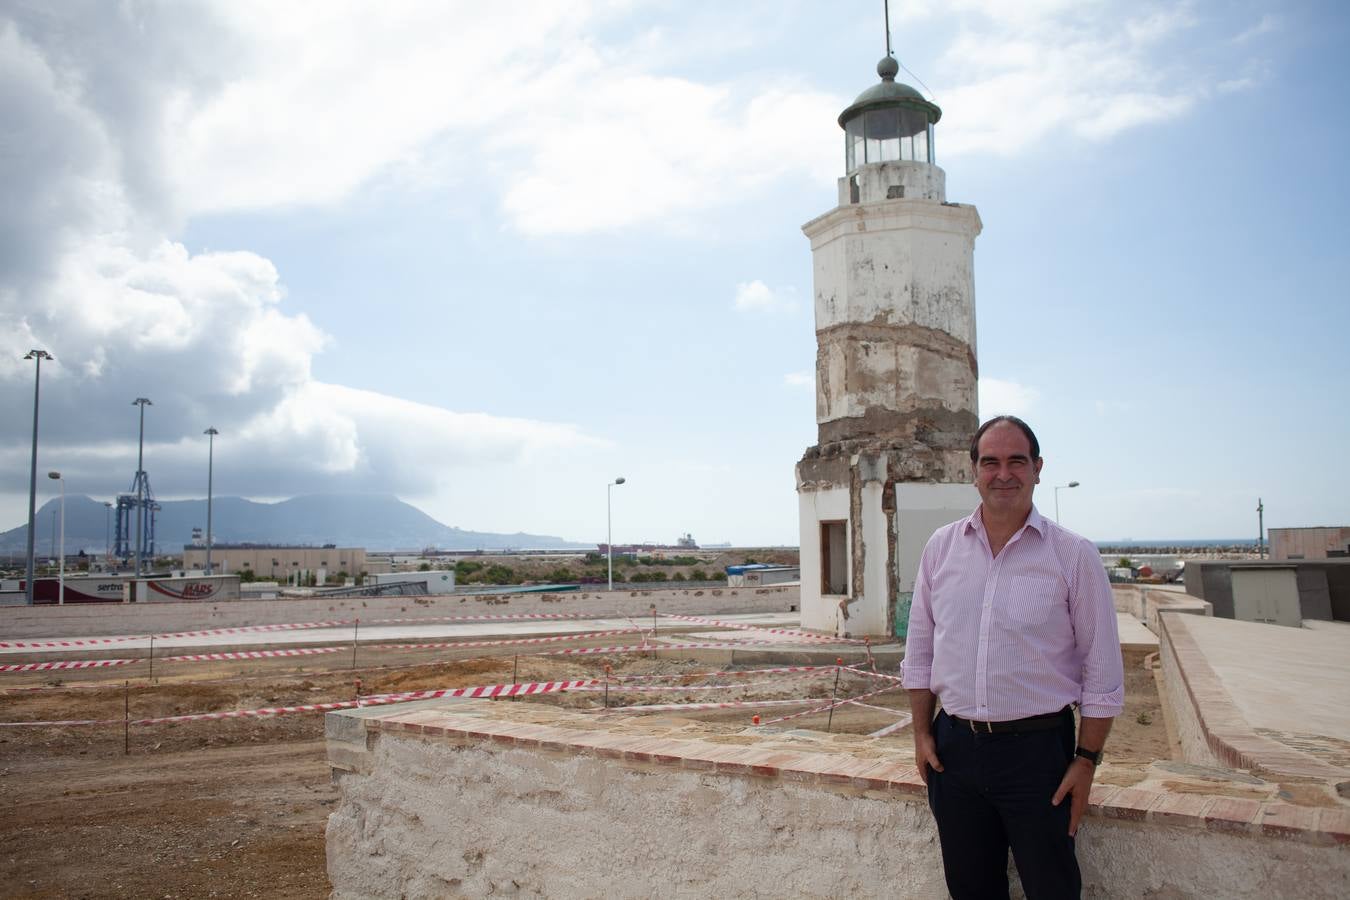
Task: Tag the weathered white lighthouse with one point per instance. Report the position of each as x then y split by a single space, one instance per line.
895 367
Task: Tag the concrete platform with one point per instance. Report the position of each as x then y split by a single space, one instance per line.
1294 680
1268 699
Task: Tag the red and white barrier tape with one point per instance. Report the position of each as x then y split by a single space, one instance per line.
896 678
618 687
490 690
82 642
551 639
483 618
829 706
289 626
241 629
787 632
885 709
516 689
890 729
728 673
66 664
692 707
251 654
643 648
297 651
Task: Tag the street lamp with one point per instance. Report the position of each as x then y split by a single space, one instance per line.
1071 484
609 526
61 578
210 465
38 356
140 482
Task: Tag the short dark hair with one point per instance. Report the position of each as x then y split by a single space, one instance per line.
1011 420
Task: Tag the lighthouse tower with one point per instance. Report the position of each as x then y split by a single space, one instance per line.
895 367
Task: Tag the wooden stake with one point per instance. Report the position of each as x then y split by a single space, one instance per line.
356 629
126 719
838 667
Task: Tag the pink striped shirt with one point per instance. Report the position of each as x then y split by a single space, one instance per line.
1023 634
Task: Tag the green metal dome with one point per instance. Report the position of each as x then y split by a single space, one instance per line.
890 94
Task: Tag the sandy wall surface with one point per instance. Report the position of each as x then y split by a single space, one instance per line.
134 618
478 809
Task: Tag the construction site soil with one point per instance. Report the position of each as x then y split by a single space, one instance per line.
237 807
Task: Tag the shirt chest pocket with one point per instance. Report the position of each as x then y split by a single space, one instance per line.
1035 599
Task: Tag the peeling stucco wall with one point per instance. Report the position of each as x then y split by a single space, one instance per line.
896 372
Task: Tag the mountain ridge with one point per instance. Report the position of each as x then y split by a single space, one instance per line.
371 521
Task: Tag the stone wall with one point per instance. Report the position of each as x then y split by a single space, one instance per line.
453 800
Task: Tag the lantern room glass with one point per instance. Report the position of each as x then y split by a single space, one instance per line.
891 134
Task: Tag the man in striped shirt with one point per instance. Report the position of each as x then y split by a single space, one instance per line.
1011 627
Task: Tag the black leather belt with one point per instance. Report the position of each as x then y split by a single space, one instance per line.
1013 726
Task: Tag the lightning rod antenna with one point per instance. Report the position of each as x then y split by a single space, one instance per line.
887 7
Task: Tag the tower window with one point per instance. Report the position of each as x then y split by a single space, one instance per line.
833 558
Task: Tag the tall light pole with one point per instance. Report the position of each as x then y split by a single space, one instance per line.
1071 484
1261 528
210 466
107 531
609 526
61 577
38 356
140 482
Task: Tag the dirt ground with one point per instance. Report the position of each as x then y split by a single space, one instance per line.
237 807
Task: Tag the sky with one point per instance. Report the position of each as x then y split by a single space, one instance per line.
490 257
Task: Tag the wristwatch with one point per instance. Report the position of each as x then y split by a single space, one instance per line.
1092 756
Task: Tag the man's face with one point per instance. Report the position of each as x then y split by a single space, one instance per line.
1005 473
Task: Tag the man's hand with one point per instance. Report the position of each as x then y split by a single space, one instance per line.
925 754
922 704
1077 785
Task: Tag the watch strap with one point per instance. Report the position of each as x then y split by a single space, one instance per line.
1092 756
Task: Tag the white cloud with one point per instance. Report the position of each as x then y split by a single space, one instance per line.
1020 73
580 136
1006 398
757 297
803 380
1266 25
89 271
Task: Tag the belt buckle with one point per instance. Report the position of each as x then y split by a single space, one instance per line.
988 726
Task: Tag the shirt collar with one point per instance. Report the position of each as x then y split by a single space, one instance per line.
1035 521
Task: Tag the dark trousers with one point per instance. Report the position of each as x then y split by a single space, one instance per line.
994 794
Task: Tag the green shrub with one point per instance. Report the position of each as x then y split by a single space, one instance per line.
499 574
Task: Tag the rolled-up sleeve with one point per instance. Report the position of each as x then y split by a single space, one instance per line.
1097 637
917 667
